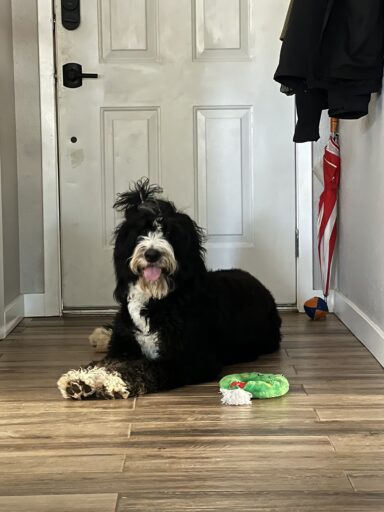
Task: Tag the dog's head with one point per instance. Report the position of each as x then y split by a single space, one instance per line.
156 246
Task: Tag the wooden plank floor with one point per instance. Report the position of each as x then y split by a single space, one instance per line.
318 449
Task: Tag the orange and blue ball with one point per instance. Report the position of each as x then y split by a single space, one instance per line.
316 308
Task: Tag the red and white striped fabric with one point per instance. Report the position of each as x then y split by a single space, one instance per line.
327 218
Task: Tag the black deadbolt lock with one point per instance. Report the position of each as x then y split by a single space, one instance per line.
73 75
70 14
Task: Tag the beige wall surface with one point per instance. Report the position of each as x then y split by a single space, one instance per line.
361 212
9 189
27 94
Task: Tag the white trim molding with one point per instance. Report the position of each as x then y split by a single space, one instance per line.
13 315
370 334
2 305
50 303
34 304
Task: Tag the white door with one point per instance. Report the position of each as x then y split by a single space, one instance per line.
184 95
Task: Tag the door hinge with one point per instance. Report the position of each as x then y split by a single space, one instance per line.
297 243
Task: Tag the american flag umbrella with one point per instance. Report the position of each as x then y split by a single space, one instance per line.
327 218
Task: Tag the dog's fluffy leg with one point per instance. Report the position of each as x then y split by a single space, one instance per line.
100 339
115 379
92 382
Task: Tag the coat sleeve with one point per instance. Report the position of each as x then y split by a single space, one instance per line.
287 20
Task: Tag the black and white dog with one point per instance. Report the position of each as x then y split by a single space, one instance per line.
178 323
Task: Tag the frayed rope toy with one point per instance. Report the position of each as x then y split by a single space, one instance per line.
240 388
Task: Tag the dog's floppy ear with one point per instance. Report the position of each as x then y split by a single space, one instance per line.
120 293
140 195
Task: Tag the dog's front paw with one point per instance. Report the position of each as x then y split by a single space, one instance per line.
77 390
100 339
95 382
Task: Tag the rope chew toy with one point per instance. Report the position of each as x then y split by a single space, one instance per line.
240 388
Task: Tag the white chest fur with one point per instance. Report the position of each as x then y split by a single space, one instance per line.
149 342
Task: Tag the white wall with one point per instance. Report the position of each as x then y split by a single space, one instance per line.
8 157
360 302
27 98
11 302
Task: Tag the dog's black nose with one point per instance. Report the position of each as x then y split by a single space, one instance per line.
152 255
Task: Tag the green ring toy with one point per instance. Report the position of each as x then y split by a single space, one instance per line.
240 388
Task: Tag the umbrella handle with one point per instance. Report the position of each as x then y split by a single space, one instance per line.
334 125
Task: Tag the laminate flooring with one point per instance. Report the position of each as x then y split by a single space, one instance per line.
318 449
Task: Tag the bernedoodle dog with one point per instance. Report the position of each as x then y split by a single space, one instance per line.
178 323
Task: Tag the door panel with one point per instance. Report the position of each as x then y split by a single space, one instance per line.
222 29
223 147
130 142
127 30
184 96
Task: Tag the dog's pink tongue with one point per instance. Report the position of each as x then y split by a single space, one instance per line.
152 273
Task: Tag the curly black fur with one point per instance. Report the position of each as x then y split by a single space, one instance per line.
207 320
141 195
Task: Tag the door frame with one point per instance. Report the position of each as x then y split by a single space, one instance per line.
49 303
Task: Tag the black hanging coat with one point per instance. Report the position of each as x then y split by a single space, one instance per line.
331 57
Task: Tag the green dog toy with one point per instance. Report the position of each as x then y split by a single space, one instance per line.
240 388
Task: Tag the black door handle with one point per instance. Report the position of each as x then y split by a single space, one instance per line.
73 75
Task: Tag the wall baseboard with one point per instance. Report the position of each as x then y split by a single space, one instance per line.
13 315
34 304
369 333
